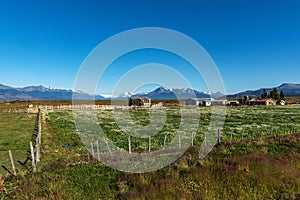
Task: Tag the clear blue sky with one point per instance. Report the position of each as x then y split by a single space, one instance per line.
254 43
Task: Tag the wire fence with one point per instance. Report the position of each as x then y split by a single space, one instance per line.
23 157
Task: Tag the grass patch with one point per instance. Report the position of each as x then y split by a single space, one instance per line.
16 130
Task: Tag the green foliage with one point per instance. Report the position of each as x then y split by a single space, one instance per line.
264 94
281 95
274 94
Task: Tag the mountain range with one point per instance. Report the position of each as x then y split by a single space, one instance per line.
288 89
165 94
43 93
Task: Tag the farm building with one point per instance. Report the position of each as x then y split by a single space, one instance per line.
206 102
198 102
281 102
192 102
141 102
219 102
233 103
266 102
209 102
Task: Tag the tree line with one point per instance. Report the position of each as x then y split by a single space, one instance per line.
273 94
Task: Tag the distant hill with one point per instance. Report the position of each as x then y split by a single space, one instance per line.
41 93
288 89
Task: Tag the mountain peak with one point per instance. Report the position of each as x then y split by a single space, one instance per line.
289 86
4 87
160 89
34 88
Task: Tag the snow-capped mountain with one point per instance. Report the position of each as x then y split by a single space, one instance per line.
42 93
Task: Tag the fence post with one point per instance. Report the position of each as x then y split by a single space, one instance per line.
192 143
205 140
12 163
252 134
107 145
230 136
92 149
285 130
38 139
32 157
219 136
165 138
98 152
261 134
179 139
243 134
129 145
149 144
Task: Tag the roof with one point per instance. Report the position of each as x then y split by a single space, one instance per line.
262 100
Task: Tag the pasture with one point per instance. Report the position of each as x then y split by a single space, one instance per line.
16 130
242 170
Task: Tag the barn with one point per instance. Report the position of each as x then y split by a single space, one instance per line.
265 102
140 102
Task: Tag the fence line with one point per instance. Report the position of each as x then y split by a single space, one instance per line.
250 136
35 152
35 109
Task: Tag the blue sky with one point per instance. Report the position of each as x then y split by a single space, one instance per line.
254 43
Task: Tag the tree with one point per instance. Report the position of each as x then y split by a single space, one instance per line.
281 95
274 94
264 94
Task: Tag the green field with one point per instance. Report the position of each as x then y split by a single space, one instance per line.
248 169
16 130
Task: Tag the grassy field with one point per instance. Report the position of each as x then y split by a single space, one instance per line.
16 130
259 169
243 123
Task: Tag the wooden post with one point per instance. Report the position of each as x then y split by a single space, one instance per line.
12 163
107 145
230 136
92 149
129 145
192 142
179 140
37 146
32 157
98 152
261 134
285 130
243 134
38 139
165 138
149 144
219 136
205 140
